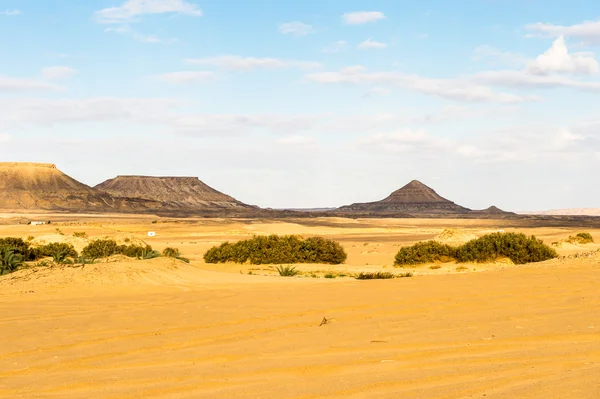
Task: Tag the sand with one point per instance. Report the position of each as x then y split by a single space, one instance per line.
165 329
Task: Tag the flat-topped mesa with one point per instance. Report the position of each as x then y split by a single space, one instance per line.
181 192
414 198
28 165
43 187
37 177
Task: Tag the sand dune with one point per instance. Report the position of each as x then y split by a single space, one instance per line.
165 329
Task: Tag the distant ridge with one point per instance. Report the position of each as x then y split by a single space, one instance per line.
414 198
493 210
183 193
568 212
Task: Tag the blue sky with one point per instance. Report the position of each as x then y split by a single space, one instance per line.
313 103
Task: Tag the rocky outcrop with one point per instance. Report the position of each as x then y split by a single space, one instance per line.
415 198
182 193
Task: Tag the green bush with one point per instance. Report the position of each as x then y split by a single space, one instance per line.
278 249
56 249
424 252
374 275
148 253
581 238
80 234
103 248
517 247
136 251
9 261
18 247
171 252
286 271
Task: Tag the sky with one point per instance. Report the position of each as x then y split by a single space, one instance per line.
309 104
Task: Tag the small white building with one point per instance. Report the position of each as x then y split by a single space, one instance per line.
151 234
38 223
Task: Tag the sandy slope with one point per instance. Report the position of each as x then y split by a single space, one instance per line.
163 329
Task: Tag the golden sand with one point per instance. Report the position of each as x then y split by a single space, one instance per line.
165 329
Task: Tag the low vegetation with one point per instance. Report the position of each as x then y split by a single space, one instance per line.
175 254
581 238
9 261
286 271
103 248
55 250
15 252
18 247
278 249
380 275
425 252
519 248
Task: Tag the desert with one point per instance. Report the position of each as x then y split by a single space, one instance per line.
275 199
163 328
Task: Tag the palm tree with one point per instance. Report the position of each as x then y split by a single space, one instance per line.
9 262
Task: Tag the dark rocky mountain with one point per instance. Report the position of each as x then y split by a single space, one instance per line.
415 198
182 193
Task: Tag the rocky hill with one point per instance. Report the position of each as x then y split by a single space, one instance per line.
42 187
415 198
182 193
493 210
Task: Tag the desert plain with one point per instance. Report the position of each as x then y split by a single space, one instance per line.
162 328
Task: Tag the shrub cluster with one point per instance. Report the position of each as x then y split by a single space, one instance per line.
18 247
55 248
15 251
175 254
581 238
104 248
519 248
278 249
425 252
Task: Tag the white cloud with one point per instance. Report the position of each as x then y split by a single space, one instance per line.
524 79
369 44
58 72
565 138
403 141
589 31
362 17
4 137
491 53
187 77
379 90
11 13
133 8
239 63
236 124
296 28
455 89
541 73
8 84
297 140
335 47
558 59
50 112
519 144
140 37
